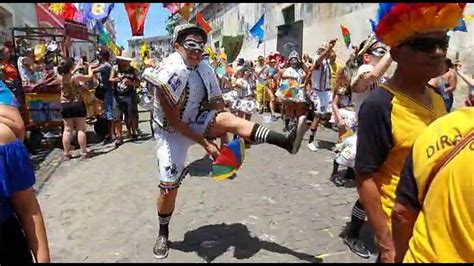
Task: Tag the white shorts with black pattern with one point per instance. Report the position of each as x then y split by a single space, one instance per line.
322 102
172 149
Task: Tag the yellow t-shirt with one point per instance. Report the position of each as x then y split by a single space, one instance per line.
444 229
389 123
334 68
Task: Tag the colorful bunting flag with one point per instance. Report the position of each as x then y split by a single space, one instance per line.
69 11
136 14
258 30
202 22
468 17
143 51
56 8
346 35
96 11
173 8
461 27
185 10
232 46
105 39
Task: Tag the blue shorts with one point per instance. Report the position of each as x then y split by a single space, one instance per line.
16 174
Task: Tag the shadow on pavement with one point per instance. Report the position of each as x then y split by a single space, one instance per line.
347 183
201 167
327 145
366 235
212 241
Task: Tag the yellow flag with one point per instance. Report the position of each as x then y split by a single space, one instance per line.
57 8
143 49
185 10
468 17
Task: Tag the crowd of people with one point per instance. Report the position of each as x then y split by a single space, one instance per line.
386 126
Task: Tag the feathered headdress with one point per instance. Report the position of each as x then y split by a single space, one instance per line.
397 22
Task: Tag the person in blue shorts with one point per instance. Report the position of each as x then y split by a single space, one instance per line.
22 232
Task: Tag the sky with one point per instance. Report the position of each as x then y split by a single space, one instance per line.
155 22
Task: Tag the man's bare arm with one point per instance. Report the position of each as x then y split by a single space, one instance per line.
403 221
370 197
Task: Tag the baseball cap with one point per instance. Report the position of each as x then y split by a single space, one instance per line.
182 30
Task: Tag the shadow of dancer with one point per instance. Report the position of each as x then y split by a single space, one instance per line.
201 167
212 241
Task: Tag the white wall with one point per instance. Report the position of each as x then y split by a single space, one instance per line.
23 13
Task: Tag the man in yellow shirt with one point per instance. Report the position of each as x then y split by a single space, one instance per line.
334 66
394 114
433 217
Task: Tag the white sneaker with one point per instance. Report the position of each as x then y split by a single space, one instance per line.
312 147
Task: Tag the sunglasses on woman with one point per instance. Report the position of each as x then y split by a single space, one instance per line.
427 45
193 46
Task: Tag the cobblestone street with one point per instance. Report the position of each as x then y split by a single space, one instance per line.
280 208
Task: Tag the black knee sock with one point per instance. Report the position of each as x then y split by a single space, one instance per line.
163 221
335 167
357 220
350 173
261 134
311 135
287 123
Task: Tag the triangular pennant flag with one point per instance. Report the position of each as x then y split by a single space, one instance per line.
346 35
173 8
468 17
202 22
461 26
258 30
185 10
232 46
96 11
69 11
136 14
57 8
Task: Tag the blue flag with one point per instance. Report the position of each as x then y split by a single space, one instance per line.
258 31
96 11
461 26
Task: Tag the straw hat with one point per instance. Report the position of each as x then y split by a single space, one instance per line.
124 58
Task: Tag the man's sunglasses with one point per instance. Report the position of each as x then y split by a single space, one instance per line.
427 45
193 46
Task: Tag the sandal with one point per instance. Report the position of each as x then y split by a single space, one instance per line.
85 156
118 142
67 157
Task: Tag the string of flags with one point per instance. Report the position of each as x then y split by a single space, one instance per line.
96 14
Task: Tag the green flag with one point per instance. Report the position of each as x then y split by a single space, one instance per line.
232 46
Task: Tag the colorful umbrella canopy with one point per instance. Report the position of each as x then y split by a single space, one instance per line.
230 159
289 88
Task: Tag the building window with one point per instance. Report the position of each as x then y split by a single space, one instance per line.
289 14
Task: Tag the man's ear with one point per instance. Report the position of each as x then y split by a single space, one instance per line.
176 46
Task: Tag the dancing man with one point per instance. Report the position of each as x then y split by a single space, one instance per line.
188 109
